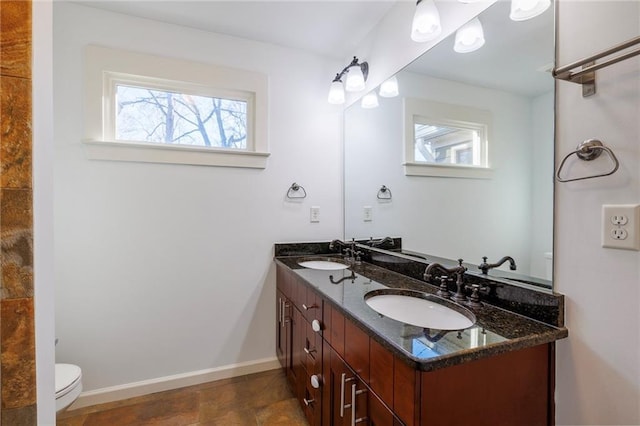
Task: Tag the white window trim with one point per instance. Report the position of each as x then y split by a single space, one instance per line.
104 67
422 110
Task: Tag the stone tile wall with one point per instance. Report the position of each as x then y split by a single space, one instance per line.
17 331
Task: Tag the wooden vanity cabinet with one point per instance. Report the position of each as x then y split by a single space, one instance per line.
298 344
511 388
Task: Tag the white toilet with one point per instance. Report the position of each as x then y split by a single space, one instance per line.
68 385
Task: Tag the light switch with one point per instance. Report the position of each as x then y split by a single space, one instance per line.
315 214
367 213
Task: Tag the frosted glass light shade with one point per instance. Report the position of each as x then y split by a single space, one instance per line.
355 79
370 100
336 93
469 37
389 88
521 10
426 22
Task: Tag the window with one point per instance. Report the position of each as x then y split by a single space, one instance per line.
445 140
150 115
155 109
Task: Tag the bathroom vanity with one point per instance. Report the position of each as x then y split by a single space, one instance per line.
348 365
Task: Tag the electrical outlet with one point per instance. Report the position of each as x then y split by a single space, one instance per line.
367 213
621 226
315 214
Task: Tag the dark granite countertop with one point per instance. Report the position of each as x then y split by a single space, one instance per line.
495 331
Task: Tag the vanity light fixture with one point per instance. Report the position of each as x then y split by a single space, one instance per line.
426 22
469 37
356 75
389 88
336 91
521 10
370 100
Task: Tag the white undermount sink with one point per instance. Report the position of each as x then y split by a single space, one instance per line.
420 309
324 264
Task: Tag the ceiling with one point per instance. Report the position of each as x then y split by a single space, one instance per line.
329 28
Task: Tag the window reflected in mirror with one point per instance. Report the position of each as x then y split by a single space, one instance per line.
450 145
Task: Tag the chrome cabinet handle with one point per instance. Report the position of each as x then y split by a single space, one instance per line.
285 305
306 308
308 351
316 326
280 310
342 380
353 404
354 393
308 402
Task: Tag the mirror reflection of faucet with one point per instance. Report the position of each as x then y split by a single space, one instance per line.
383 243
484 266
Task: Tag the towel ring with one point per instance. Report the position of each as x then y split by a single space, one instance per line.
384 193
293 189
587 151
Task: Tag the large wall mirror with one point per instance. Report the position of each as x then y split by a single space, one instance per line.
444 200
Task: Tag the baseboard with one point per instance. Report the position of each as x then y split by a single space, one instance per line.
145 387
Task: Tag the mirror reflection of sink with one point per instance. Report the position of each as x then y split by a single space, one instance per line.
420 309
324 264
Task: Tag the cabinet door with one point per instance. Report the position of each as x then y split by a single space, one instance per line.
348 402
281 328
336 414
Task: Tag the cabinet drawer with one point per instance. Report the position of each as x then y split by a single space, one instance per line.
313 351
311 304
356 349
312 404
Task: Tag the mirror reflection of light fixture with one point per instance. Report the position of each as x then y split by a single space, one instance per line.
426 21
469 37
356 73
370 100
521 10
389 88
336 91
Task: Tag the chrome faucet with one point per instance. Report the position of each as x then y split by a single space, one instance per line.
458 270
484 266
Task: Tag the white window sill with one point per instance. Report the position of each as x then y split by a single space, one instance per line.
173 154
443 170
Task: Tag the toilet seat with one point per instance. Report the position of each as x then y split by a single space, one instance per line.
68 379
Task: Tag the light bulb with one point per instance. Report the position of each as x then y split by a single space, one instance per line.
469 37
370 100
521 10
426 22
336 93
389 88
355 79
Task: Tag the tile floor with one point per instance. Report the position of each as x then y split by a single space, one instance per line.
258 399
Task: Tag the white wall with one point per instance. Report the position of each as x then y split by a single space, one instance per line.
43 209
446 217
167 269
598 366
